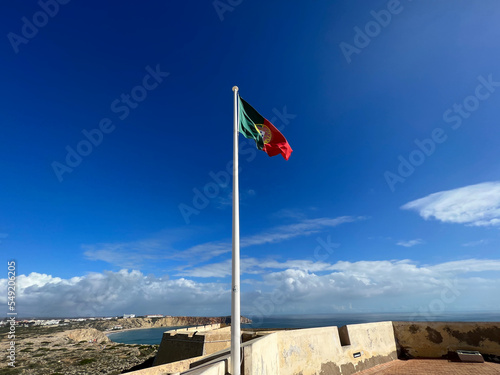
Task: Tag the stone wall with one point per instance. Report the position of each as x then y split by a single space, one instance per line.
344 351
306 351
185 343
169 368
217 364
435 339
218 368
320 350
261 356
368 345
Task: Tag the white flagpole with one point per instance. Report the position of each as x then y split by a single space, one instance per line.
235 301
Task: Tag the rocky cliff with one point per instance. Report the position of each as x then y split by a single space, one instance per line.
90 334
72 352
162 322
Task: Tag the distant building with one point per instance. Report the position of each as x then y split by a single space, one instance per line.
126 316
26 323
154 316
50 322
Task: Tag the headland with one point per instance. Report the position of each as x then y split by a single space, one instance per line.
81 346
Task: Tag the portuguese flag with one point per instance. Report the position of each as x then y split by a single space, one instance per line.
266 136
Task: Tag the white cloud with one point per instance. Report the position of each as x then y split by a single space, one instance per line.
290 214
410 243
475 205
476 243
381 285
226 200
293 286
135 253
209 250
465 266
127 254
116 293
251 266
303 228
204 251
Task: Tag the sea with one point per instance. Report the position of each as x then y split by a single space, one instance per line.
152 336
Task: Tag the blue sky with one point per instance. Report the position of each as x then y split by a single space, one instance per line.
117 137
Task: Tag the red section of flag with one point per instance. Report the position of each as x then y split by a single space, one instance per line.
274 142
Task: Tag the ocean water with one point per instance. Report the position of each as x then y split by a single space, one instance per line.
153 335
143 336
339 320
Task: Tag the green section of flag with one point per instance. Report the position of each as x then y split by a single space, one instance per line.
249 119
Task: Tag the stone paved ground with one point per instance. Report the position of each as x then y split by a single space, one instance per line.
433 367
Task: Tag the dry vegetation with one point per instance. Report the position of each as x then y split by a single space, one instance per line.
53 351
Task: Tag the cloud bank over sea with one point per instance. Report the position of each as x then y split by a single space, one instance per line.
298 286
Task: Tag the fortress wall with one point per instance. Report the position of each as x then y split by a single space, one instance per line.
182 367
180 344
217 340
218 368
367 345
211 364
435 339
169 368
203 328
308 350
334 351
320 350
261 356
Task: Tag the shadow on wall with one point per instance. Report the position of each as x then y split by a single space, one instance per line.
437 339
